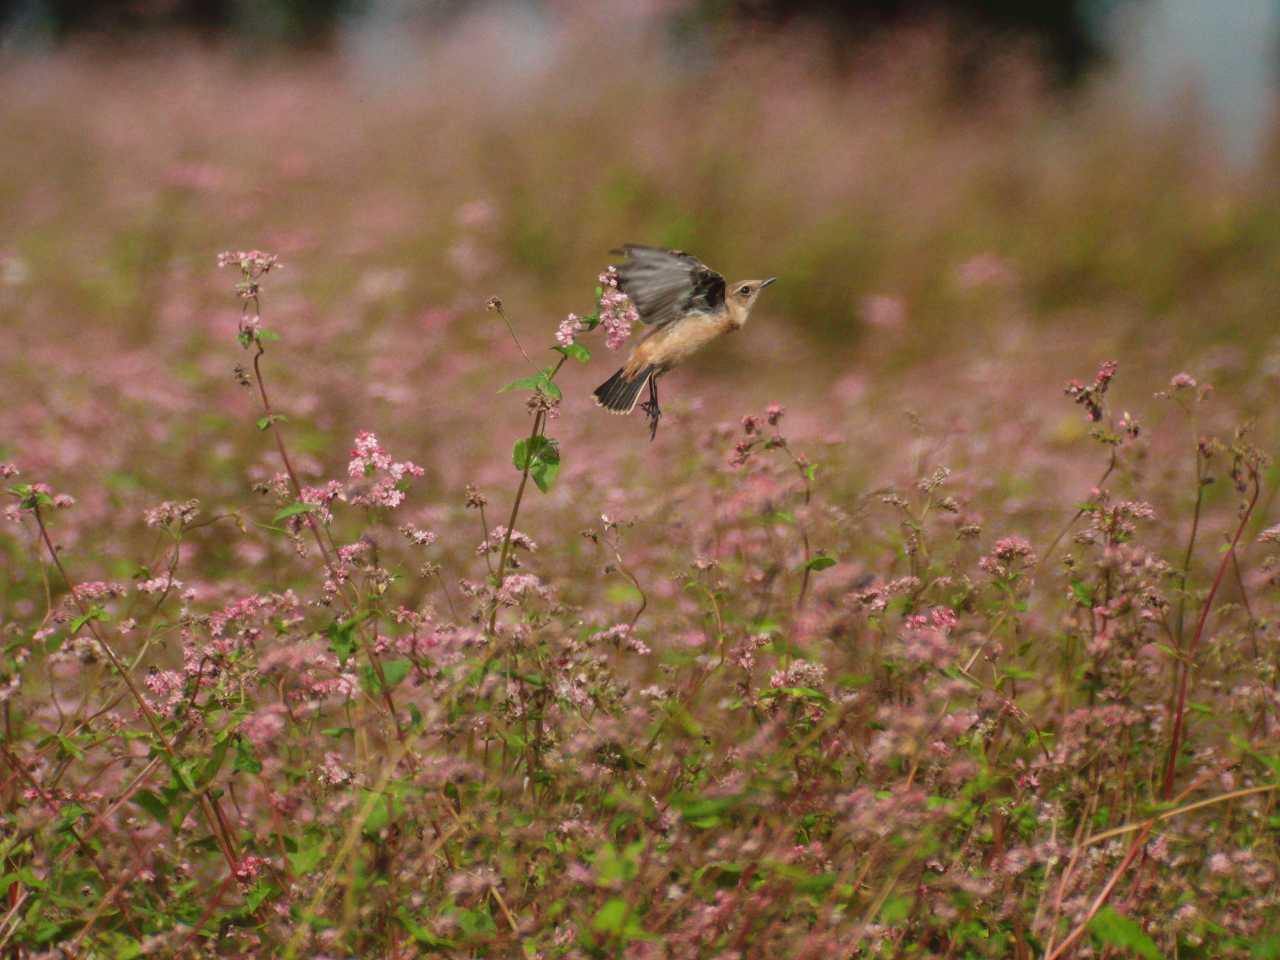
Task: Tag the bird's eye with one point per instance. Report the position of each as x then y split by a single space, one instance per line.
745 289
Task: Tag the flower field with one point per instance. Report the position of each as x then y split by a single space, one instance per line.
940 619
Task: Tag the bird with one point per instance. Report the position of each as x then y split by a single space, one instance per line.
686 306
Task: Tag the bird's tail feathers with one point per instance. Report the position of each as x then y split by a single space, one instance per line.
619 393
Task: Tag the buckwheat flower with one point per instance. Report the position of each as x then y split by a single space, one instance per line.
1183 381
475 213
249 867
934 480
1009 556
263 726
985 270
750 425
384 494
476 881
883 311
8 471
518 585
251 262
416 536
567 330
1015 861
93 590
774 413
158 584
617 312
367 456
801 673
475 500
493 542
323 499
333 772
170 513
167 688
63 500
1219 864
1270 535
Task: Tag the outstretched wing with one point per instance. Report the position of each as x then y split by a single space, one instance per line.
667 284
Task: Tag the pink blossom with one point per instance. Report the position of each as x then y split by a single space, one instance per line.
617 312
883 312
263 726
567 330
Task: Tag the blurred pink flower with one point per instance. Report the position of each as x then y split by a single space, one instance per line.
883 311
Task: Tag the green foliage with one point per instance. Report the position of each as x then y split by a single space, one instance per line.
1113 929
541 456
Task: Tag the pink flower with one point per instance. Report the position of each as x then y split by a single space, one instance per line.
251 262
249 867
333 772
884 312
617 312
567 330
367 456
368 459
263 726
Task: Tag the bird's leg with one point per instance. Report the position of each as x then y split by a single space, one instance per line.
651 408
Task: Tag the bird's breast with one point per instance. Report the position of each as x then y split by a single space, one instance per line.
680 340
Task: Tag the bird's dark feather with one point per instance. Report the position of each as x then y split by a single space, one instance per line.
665 285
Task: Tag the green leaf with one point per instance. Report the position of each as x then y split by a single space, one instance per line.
524 383
342 637
423 936
1113 929
151 803
614 867
268 336
304 861
539 381
246 760
895 910
29 498
211 766
182 770
541 457
95 613
258 894
1267 949
612 917
820 562
1082 592
69 814
264 423
293 509
575 350
396 670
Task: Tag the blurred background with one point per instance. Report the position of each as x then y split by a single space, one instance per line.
967 202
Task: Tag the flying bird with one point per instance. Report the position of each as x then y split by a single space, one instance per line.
686 305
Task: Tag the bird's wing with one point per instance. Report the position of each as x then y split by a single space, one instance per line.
667 284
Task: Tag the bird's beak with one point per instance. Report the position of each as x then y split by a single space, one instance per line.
767 282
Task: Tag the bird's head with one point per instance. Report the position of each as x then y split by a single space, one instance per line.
743 294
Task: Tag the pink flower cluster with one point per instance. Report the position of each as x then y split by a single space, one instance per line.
926 637
1090 397
568 329
1009 557
253 263
368 459
617 312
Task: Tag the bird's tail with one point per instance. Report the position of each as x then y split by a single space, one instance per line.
619 393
